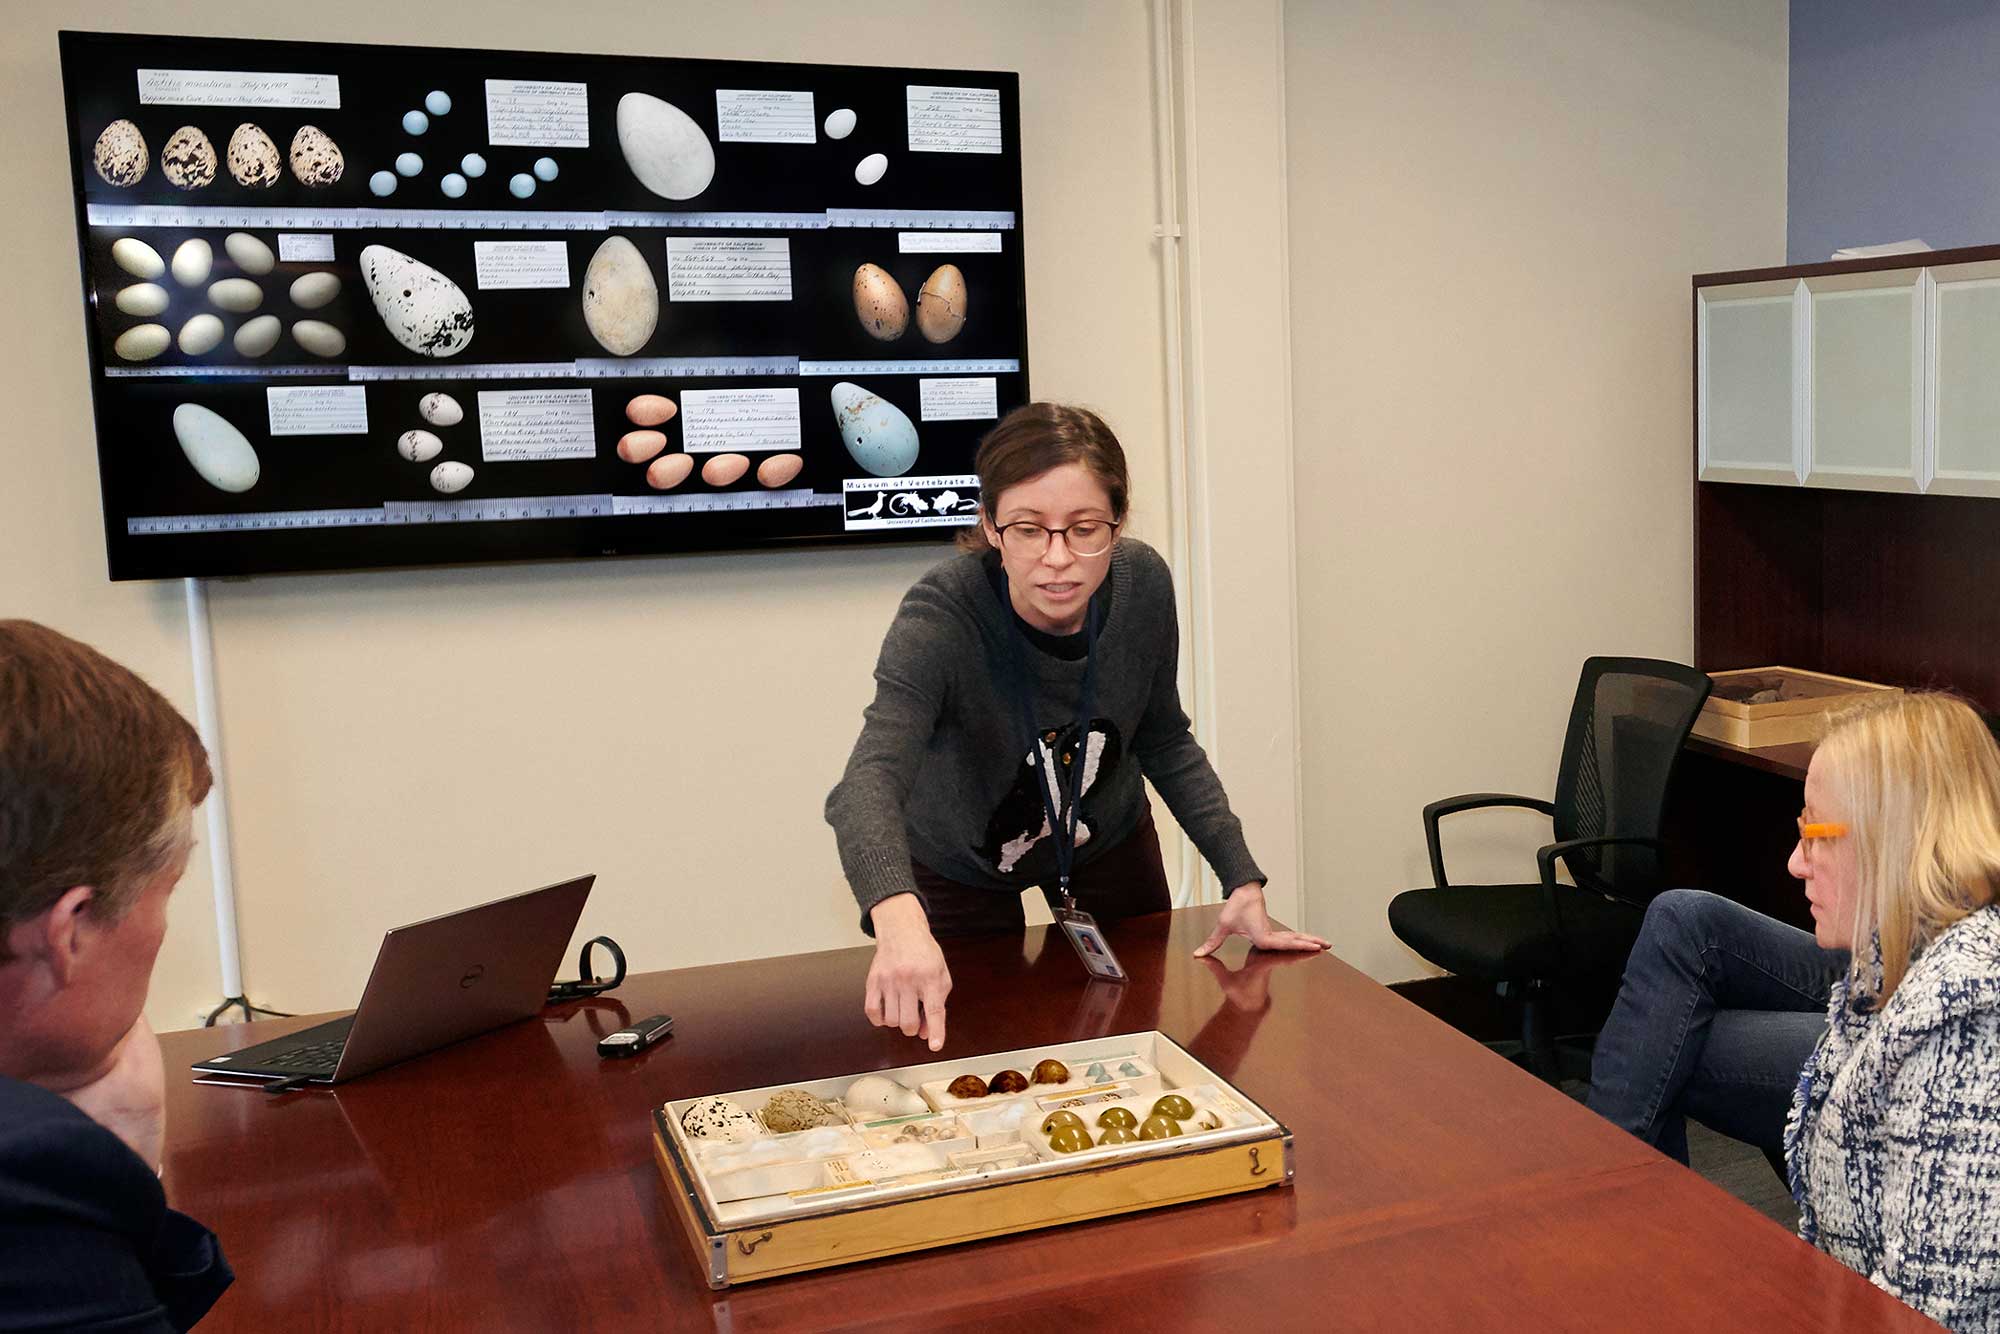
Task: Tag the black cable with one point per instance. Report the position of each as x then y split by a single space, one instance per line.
588 983
250 1012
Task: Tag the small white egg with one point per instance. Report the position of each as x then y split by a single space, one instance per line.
521 185
472 165
871 168
319 338
250 254
143 342
258 336
453 185
438 101
415 122
142 299
545 168
441 409
137 258
239 296
192 262
200 335
310 291
450 477
419 446
408 164
839 124
382 183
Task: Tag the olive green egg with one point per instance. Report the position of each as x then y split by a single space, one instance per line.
1117 1134
1159 1127
1118 1116
1174 1105
1064 1118
1068 1139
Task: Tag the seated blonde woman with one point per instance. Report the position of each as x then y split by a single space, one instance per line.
1892 1144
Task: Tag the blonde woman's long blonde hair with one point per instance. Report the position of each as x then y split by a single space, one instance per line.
1918 777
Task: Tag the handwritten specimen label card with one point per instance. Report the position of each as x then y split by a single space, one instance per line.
953 120
319 410
764 116
524 425
236 88
532 113
745 421
729 268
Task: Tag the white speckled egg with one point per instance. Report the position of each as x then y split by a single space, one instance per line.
146 299
258 336
440 409
450 478
200 335
217 449
840 123
143 342
193 259
316 158
188 160
872 1097
621 301
718 1118
253 157
319 338
664 147
238 296
249 253
420 447
424 310
121 156
310 291
871 168
878 434
137 258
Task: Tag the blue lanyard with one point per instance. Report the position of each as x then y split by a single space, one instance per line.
1060 801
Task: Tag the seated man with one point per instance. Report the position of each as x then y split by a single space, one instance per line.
98 779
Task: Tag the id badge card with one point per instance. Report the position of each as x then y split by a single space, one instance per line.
1087 939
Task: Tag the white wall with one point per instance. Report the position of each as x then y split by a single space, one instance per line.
403 743
1496 206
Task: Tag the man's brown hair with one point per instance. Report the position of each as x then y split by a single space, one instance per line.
96 773
1036 437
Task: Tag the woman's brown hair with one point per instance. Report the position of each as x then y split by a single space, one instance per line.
1036 437
97 774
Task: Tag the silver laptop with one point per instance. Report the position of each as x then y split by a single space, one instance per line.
435 983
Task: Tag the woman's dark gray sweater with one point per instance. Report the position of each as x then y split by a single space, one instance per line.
939 773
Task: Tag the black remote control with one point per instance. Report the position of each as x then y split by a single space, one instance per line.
631 1041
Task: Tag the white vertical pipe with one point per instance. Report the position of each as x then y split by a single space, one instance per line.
1166 162
201 646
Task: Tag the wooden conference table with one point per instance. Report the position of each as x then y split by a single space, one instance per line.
508 1183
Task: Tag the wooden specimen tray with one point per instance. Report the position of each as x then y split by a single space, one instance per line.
969 1169
1799 713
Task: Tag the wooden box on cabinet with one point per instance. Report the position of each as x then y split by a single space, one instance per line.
1799 713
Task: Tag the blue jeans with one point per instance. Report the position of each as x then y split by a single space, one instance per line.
1719 1009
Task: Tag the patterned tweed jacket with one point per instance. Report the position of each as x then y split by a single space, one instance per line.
1894 1138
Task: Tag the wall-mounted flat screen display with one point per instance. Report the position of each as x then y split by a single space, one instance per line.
355 306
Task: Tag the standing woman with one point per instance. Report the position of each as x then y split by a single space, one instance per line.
1049 625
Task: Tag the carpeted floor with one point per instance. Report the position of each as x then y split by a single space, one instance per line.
1731 1164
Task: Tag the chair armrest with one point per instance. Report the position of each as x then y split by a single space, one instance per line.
1547 857
1471 801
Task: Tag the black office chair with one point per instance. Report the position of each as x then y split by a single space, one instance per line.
1626 729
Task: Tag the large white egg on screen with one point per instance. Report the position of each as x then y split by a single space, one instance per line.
621 301
217 449
423 310
665 149
877 433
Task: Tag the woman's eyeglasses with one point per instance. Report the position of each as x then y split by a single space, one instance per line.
1092 537
1818 831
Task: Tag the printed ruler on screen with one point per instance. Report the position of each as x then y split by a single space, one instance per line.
341 219
921 220
770 222
446 370
497 511
270 521
648 368
726 503
218 372
994 366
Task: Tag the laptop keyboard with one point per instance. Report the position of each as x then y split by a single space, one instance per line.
317 1056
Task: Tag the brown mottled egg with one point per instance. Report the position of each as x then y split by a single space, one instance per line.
1051 1072
121 156
253 157
638 446
779 469
316 158
725 469
941 304
1117 1116
1008 1081
879 303
1159 1127
669 472
1174 1105
650 410
967 1086
188 160
796 1109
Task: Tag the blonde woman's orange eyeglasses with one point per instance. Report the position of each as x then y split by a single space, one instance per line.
1818 831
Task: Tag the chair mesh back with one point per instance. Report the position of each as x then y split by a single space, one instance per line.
1626 729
